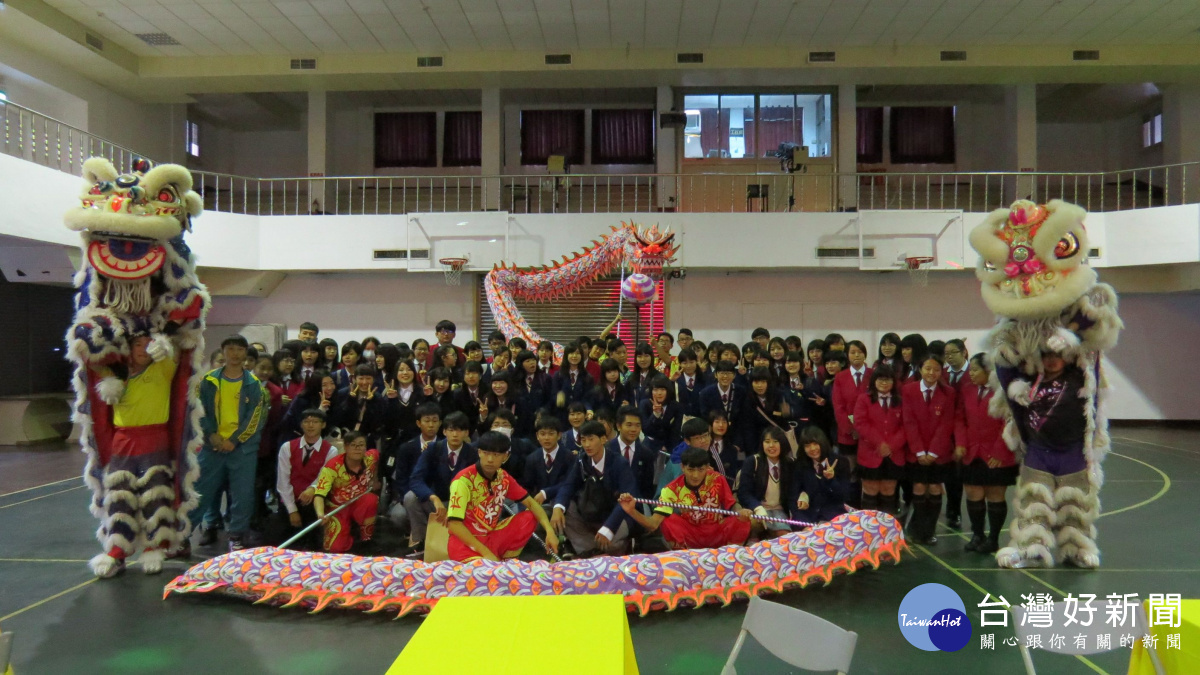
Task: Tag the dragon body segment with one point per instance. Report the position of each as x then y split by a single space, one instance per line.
644 251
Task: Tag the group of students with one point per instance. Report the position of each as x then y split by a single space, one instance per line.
601 453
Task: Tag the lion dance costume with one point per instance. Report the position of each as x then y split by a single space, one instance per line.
1048 301
137 279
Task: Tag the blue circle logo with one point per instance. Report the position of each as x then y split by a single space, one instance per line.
932 617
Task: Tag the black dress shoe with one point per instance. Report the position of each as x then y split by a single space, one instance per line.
954 521
974 544
988 547
208 536
928 541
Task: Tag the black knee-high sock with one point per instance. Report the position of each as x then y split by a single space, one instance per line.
889 504
869 502
954 492
934 504
997 513
977 513
918 516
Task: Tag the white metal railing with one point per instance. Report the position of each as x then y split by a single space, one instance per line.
50 142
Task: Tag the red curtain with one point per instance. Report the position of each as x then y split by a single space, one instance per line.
405 139
624 136
551 132
710 131
922 135
774 126
462 139
870 135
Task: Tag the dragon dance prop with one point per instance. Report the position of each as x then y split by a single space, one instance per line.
1048 302
645 251
139 309
723 512
647 581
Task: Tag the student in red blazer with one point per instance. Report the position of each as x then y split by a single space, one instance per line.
879 421
955 375
929 426
989 467
848 385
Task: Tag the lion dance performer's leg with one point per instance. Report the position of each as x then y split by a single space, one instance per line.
1077 505
138 502
1031 537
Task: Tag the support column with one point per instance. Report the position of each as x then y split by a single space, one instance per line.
847 146
666 152
1020 103
318 142
492 147
1180 123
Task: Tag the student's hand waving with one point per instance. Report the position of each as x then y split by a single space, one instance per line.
390 389
829 470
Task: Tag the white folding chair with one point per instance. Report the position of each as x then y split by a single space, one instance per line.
796 637
1099 627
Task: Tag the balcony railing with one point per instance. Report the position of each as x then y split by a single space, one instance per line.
49 142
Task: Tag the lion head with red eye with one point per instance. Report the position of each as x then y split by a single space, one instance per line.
127 219
1031 258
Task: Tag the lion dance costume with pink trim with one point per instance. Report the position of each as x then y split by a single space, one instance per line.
137 279
1032 265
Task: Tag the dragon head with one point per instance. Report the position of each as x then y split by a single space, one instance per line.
1032 258
127 219
652 250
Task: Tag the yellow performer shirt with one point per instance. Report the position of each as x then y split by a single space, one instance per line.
147 397
229 398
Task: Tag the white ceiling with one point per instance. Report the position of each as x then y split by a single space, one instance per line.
314 27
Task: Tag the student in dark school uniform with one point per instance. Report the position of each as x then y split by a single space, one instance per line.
889 351
814 365
988 466
402 458
610 392
576 416
835 342
496 343
501 363
765 406
446 356
439 391
767 483
792 388
684 339
761 337
343 370
545 358
571 382
429 487
929 407
642 458
330 358
688 384
822 480
777 351
515 347
643 371
955 374
879 421
586 507
319 392
531 390
792 343
547 468
722 444
309 355
386 357
703 366
661 415
725 395
820 392
500 397
471 394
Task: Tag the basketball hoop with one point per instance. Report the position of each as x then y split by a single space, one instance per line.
453 267
918 269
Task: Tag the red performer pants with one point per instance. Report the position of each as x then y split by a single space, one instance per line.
338 538
682 533
506 541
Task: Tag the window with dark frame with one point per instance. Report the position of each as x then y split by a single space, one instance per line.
551 132
869 133
462 138
1152 131
922 135
405 139
623 136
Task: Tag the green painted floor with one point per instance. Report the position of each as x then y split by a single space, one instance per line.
66 623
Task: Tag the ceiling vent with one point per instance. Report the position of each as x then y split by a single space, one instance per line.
429 62
827 252
954 56
400 254
94 41
304 64
157 39
1085 55
689 57
822 57
558 59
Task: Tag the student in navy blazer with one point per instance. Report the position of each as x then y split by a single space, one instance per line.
644 458
548 467
571 382
688 385
531 390
614 478
576 416
661 415
728 397
429 487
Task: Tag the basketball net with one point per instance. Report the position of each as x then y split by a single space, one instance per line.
918 269
453 267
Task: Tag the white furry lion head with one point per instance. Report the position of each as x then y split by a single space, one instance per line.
1031 258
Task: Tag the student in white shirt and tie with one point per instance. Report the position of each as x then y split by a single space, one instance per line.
955 374
299 463
768 483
